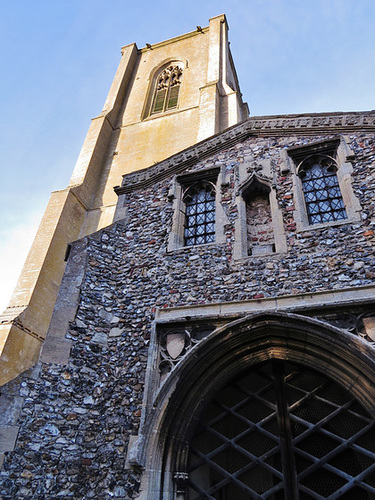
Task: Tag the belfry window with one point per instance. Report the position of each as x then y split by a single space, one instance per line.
321 190
167 89
199 201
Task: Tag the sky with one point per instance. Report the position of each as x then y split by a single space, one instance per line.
59 58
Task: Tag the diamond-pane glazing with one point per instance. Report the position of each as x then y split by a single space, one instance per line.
322 193
200 214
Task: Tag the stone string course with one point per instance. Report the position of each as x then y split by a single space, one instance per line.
77 419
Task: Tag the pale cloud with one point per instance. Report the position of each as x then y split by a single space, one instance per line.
14 248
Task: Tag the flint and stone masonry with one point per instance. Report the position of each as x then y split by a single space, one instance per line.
142 322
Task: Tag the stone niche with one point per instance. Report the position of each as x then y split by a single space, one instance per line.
260 238
259 225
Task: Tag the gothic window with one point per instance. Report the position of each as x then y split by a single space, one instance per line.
167 89
321 190
197 212
199 201
322 183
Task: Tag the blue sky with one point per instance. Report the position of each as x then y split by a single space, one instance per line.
59 58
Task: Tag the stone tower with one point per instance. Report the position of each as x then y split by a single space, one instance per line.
164 98
217 340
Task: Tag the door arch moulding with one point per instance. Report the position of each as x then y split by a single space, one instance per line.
163 443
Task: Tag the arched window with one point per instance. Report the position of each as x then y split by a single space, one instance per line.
321 189
199 201
167 89
197 208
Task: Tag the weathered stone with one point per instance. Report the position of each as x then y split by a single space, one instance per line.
105 315
50 429
8 436
100 338
116 332
369 324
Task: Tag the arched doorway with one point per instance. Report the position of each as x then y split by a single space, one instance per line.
280 344
280 431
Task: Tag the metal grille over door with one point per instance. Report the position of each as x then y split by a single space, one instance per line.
283 431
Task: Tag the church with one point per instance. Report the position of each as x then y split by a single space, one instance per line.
196 317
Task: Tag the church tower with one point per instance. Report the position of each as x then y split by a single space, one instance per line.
213 334
164 98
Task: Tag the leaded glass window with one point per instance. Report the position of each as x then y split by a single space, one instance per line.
321 189
199 201
167 89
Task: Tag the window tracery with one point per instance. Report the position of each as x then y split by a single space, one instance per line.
321 190
322 183
198 215
167 89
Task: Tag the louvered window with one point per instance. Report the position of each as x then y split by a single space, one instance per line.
167 89
199 201
321 189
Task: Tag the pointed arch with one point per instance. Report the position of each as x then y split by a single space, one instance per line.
259 227
164 86
322 183
260 234
255 183
163 445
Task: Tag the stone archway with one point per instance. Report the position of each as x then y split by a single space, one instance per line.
163 447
